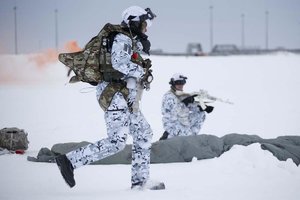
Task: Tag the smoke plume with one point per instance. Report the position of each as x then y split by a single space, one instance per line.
50 56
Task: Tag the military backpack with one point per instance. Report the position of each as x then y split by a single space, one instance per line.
13 139
93 63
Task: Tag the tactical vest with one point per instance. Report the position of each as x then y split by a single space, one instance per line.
93 63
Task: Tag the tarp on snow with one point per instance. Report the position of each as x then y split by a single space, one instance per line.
185 148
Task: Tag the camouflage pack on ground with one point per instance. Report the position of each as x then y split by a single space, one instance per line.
13 139
93 63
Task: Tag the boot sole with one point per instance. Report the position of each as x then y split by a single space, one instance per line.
59 163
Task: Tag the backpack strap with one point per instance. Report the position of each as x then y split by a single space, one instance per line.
106 37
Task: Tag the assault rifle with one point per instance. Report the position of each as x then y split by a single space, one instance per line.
204 96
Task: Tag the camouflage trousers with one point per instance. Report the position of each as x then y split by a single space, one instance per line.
186 124
120 122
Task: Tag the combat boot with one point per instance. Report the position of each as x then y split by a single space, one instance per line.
149 185
66 169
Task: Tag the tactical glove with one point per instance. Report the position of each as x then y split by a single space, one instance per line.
208 109
189 100
147 63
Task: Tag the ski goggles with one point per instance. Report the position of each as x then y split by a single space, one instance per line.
180 82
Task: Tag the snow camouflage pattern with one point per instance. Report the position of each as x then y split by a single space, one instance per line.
121 120
178 119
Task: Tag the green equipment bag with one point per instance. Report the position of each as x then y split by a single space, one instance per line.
93 63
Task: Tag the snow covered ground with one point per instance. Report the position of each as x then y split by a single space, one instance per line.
265 90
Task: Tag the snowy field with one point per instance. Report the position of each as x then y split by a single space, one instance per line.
265 90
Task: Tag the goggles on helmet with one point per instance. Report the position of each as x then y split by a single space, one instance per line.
180 80
138 19
137 14
149 15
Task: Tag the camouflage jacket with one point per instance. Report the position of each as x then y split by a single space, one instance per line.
179 119
121 60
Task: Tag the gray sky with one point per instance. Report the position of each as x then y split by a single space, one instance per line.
178 22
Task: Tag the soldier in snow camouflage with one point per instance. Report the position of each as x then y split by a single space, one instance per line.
182 116
119 98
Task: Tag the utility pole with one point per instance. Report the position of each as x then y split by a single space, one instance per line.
211 27
243 30
56 28
16 32
267 29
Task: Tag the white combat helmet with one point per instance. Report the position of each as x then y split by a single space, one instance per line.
136 13
178 79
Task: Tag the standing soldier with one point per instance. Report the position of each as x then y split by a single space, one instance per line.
119 96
